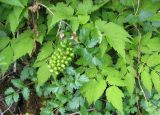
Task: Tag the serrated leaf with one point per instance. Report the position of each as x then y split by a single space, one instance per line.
45 51
18 83
92 93
22 45
75 103
14 19
15 97
24 73
114 95
96 61
130 83
153 44
83 19
26 93
6 57
153 60
59 14
9 99
116 37
12 2
146 80
74 24
86 55
4 42
114 77
43 74
85 7
92 43
10 90
91 72
156 80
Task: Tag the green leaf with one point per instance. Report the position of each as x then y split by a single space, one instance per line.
14 18
130 83
153 60
4 42
18 83
10 90
153 44
116 37
114 95
114 77
156 80
92 93
74 24
6 57
24 73
9 98
103 46
22 45
155 17
24 2
59 14
96 61
146 80
43 74
86 55
150 5
12 2
85 7
45 51
15 97
91 72
83 19
26 93
92 43
60 8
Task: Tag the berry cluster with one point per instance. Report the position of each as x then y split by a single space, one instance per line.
61 57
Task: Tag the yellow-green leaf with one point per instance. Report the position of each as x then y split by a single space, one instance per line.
146 80
43 74
114 95
93 89
156 80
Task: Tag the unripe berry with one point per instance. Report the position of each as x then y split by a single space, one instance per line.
61 57
71 54
49 66
66 62
51 70
56 72
69 59
62 65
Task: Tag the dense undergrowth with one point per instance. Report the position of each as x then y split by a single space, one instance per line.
88 57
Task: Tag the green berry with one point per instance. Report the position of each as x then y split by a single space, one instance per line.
62 65
69 59
59 68
66 62
71 54
49 66
62 61
55 68
51 70
56 72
